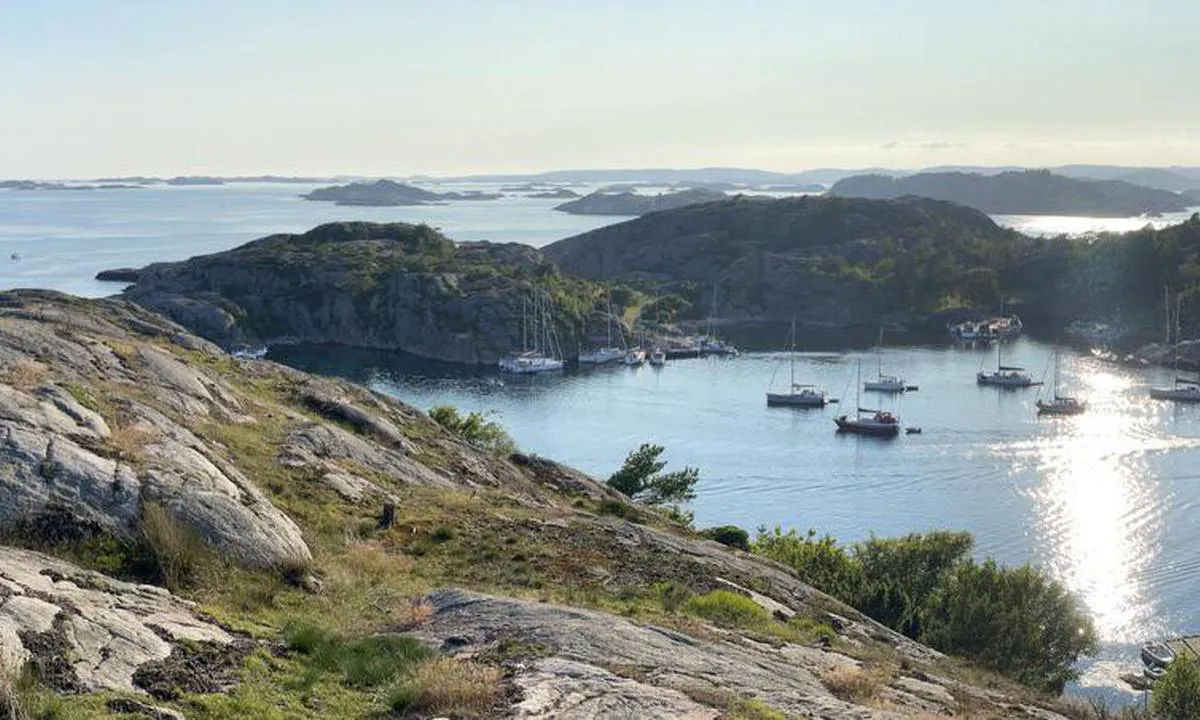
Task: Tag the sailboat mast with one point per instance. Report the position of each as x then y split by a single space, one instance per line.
524 327
608 327
793 357
1175 347
1167 307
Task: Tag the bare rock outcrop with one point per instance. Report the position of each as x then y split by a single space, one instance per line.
84 631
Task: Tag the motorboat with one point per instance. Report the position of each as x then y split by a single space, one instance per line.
658 358
1157 654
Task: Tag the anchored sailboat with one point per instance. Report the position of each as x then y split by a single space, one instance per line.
1182 389
609 353
798 394
543 354
1005 376
876 423
885 383
1060 404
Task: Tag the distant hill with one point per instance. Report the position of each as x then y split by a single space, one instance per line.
829 261
628 203
387 193
1027 192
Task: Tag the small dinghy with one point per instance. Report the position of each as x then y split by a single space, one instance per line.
1154 674
912 430
1157 654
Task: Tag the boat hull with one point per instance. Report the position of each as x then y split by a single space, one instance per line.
1005 381
796 400
867 427
1052 408
1176 395
884 386
1157 654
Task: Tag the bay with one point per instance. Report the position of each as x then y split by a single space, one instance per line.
1106 501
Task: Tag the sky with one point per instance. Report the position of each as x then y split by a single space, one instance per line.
445 87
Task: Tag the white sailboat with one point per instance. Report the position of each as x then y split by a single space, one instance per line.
709 344
543 355
875 423
1060 404
885 383
1005 376
658 358
609 353
1181 389
798 394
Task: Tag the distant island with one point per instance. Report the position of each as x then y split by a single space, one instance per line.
384 193
628 203
1029 192
39 185
559 194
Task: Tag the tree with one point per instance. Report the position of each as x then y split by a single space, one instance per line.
1177 695
641 478
475 428
1015 620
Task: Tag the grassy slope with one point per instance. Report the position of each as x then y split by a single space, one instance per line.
552 548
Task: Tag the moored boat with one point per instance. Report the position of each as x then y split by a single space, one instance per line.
658 358
798 394
874 423
1157 654
1060 404
543 355
1005 376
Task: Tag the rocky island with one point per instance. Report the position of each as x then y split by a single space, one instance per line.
1028 192
187 534
385 286
384 193
832 262
630 203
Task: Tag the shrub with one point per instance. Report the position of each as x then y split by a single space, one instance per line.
730 535
819 562
1177 695
179 552
445 686
476 429
641 478
850 683
671 595
727 609
1017 621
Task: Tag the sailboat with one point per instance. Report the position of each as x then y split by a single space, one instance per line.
885 383
876 423
709 344
658 358
1005 376
798 395
609 353
544 355
1060 404
1182 389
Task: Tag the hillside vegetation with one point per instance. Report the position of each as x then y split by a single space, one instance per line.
222 538
1032 192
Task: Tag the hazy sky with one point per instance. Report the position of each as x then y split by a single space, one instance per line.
454 86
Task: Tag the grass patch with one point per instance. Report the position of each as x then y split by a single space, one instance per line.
753 709
727 609
181 555
445 686
24 374
82 396
850 683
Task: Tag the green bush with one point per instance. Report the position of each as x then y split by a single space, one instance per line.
1177 695
727 609
476 429
671 595
730 535
1016 621
181 555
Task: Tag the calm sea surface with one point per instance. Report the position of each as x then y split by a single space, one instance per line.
1105 501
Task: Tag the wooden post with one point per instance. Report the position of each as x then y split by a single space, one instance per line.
388 517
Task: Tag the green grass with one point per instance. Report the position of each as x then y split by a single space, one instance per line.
727 609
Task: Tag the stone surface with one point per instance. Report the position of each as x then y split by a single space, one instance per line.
100 630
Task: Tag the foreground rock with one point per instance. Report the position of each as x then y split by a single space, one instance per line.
629 203
84 631
383 286
578 664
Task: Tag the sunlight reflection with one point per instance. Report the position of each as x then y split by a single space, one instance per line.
1094 502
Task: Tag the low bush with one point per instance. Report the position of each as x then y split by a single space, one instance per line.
180 554
1177 695
727 609
671 595
729 535
850 683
